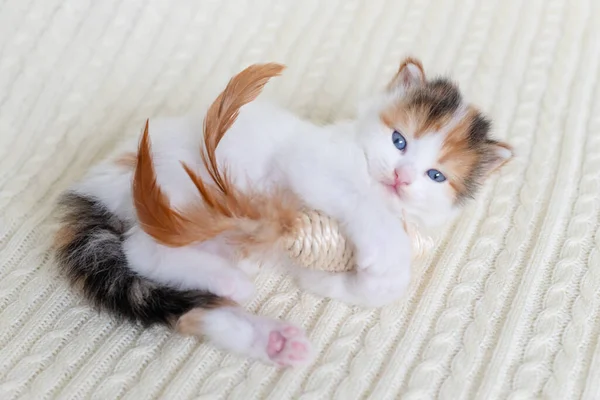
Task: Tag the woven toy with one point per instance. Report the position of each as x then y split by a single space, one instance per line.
318 243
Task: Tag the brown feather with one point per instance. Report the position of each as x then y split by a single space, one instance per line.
153 208
250 219
261 219
155 214
241 89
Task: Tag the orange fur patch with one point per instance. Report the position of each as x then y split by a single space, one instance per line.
64 236
413 123
428 125
458 159
456 140
191 322
398 118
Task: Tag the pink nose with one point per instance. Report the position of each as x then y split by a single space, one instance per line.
403 177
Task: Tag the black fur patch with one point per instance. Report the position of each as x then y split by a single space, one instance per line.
478 141
93 257
439 97
479 130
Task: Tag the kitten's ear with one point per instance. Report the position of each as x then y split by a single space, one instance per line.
409 74
499 154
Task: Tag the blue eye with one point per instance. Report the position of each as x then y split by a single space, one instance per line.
436 175
399 141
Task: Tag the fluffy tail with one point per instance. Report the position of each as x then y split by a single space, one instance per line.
89 250
251 219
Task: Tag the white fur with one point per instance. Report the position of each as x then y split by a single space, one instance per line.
190 267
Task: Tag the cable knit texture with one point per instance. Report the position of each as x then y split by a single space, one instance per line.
507 305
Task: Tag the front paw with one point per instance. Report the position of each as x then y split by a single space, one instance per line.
382 255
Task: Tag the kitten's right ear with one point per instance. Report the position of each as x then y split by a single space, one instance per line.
498 154
409 74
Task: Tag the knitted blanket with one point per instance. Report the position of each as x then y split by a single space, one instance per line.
506 306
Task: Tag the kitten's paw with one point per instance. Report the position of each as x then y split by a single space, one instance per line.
268 340
382 255
281 343
288 346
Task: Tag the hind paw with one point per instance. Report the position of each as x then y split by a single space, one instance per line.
288 346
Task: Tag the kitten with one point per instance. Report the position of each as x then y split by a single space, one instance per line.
148 252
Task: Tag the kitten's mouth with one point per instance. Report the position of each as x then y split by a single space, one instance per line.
393 188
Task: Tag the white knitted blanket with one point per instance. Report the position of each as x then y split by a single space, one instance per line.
508 306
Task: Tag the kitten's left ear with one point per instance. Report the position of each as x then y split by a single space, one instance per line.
409 74
499 154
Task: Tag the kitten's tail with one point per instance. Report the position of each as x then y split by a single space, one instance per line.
253 220
89 250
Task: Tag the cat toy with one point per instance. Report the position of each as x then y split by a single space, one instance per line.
317 242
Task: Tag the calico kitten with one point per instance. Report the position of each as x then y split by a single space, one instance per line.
152 253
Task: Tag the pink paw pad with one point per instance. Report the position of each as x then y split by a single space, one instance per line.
276 343
288 346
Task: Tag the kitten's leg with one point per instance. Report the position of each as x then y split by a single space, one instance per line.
186 267
356 287
233 329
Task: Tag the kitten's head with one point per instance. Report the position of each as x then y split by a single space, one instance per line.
426 147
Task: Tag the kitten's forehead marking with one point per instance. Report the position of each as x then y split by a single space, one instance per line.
435 104
430 108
